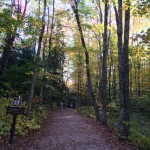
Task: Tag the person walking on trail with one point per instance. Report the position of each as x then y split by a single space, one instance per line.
62 105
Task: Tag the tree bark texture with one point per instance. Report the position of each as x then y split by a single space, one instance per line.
123 66
104 67
6 53
90 86
79 84
36 62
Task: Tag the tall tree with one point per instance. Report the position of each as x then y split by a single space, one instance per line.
50 45
36 62
123 65
74 4
104 66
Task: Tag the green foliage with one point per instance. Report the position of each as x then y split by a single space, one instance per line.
139 132
145 35
87 111
7 23
4 119
23 125
17 77
141 8
141 104
34 26
55 59
86 10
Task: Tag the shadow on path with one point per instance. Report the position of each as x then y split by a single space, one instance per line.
65 130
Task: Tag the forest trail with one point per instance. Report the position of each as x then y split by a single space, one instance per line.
68 130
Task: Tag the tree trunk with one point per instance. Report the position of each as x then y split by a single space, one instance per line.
45 70
104 67
50 41
123 64
124 101
90 86
88 96
111 59
79 85
135 78
109 82
114 84
130 81
6 53
36 62
138 79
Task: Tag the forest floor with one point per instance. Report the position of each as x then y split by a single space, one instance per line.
67 130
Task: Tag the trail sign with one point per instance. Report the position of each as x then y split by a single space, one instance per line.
15 110
17 101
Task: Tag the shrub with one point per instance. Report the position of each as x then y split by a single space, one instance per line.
23 125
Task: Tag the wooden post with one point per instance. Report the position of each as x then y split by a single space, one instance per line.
12 130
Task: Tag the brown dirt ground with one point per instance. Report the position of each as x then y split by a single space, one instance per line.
68 130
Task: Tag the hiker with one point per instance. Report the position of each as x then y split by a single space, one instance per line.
62 105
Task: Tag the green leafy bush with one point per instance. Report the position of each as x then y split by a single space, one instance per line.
139 131
23 124
141 104
5 120
87 111
142 142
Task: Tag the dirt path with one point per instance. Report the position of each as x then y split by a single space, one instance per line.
67 130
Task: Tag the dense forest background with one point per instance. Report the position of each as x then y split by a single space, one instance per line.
92 53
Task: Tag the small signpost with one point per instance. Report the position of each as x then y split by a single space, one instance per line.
15 110
17 101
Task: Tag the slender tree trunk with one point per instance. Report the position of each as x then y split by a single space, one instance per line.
99 37
45 70
123 63
6 53
50 41
79 85
104 67
130 81
111 58
88 96
149 69
109 81
138 79
135 78
90 86
124 101
36 63
114 84
79 96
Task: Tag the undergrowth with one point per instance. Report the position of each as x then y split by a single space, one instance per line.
139 124
23 124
